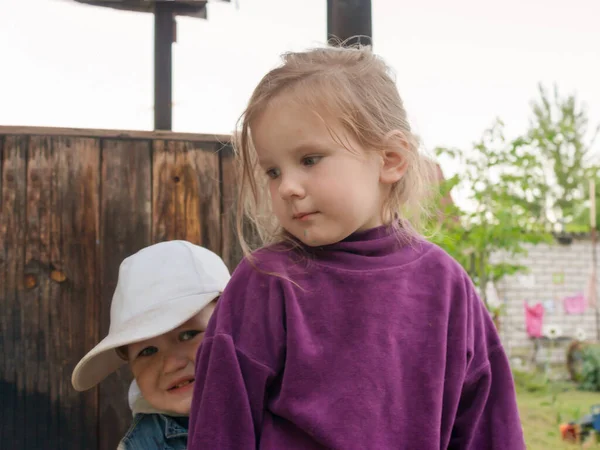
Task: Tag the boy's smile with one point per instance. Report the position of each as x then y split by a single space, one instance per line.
164 366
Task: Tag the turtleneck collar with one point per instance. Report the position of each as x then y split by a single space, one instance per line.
376 248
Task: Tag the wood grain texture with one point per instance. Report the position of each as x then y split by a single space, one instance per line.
12 243
125 228
73 205
74 318
231 251
113 134
37 300
186 198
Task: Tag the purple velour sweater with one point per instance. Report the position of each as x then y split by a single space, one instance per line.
363 344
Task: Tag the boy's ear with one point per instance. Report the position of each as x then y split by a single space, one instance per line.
394 157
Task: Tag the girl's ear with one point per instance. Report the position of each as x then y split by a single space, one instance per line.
394 157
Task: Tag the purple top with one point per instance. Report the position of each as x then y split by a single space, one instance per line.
374 345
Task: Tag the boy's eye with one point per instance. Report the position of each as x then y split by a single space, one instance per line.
273 173
148 351
189 334
311 160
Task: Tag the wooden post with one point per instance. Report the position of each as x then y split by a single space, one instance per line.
350 21
164 34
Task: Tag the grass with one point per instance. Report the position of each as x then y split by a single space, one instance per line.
543 406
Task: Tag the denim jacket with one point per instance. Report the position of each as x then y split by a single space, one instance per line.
156 431
153 429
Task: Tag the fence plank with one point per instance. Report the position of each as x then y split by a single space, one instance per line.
74 318
125 228
12 236
37 299
231 251
112 134
53 340
186 197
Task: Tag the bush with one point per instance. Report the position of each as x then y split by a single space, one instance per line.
590 369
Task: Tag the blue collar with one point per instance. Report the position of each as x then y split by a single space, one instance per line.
173 428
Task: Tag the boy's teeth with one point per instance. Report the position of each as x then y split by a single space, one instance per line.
182 384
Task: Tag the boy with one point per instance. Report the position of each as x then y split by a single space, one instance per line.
164 298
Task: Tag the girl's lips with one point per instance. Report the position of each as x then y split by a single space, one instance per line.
304 216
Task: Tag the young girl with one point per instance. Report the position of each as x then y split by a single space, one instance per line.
164 297
347 330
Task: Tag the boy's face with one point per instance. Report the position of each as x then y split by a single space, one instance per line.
164 366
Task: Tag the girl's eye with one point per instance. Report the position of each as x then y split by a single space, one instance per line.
188 335
273 173
311 160
148 351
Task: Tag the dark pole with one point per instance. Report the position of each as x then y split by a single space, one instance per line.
349 21
164 33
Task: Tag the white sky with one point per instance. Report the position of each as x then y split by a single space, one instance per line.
459 63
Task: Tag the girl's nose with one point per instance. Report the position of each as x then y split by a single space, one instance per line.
291 187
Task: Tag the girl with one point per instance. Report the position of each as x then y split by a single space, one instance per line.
164 297
347 330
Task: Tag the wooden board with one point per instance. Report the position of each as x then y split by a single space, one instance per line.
74 254
231 251
12 240
125 228
37 301
113 134
186 198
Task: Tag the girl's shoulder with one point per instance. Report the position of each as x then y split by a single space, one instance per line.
436 259
280 260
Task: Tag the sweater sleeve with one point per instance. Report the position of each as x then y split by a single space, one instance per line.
487 415
242 352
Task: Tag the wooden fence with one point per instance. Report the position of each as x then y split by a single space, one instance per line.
73 204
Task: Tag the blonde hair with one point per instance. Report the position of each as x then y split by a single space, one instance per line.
355 87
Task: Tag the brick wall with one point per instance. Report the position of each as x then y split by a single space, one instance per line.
555 271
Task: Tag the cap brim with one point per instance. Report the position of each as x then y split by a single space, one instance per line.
102 360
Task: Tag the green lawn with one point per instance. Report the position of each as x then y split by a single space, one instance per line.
543 407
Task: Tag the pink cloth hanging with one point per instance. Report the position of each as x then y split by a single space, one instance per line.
575 304
534 316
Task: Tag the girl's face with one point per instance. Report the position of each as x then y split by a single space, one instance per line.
164 366
320 191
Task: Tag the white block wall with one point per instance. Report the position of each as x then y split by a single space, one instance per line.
574 262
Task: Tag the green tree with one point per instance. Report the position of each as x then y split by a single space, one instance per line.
501 214
518 191
561 142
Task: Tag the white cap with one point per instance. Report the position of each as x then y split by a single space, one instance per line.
159 288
